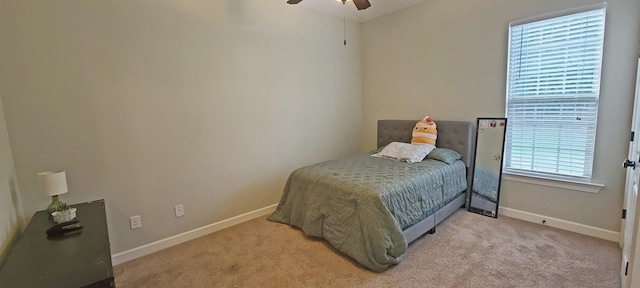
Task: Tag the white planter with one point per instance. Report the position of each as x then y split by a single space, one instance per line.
64 216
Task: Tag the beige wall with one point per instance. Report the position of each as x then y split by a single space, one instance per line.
10 206
447 59
152 103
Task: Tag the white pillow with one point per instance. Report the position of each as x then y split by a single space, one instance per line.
405 152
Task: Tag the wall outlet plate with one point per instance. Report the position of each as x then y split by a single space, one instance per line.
179 209
135 222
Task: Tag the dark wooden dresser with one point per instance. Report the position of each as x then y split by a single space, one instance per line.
81 259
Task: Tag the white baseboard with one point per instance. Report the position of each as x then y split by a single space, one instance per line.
561 224
146 249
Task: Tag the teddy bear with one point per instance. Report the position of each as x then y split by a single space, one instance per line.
425 132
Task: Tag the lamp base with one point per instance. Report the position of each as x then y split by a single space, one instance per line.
55 202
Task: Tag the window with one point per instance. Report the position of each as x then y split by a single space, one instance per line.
553 86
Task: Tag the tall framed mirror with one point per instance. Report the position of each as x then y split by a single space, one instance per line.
487 166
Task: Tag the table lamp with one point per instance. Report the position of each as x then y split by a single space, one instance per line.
54 184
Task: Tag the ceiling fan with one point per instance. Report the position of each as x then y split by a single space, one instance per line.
360 4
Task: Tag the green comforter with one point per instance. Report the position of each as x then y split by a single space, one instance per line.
361 204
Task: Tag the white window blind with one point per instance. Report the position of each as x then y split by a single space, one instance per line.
553 86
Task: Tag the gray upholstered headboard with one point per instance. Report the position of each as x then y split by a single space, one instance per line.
456 135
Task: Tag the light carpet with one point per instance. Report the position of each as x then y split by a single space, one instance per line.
468 250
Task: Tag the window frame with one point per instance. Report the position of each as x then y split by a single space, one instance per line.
544 17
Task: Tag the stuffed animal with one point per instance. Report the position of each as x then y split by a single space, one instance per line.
425 132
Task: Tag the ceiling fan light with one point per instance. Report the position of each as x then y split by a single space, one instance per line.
360 4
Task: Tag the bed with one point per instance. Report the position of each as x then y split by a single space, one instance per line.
370 208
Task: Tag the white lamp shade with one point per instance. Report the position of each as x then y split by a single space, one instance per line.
53 182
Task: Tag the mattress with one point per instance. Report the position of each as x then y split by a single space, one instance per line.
361 204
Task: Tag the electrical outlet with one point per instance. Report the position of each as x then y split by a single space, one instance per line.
179 210
136 222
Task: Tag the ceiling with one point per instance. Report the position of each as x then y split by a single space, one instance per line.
378 8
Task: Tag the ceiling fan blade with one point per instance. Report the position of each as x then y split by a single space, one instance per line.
294 1
362 4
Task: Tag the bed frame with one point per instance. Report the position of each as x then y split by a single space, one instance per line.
456 135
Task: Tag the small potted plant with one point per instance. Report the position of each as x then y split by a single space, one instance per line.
64 213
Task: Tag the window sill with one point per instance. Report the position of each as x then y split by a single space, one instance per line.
564 184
